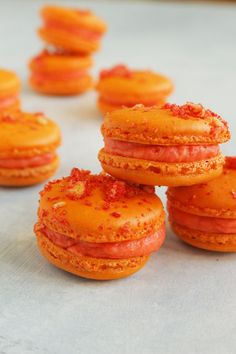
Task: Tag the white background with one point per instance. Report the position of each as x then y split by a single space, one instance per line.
183 301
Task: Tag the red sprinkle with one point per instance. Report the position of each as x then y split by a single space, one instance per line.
115 214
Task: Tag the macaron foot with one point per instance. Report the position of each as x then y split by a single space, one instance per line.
207 241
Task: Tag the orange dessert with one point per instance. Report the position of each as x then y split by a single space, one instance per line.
120 86
9 91
72 30
128 224
170 146
59 73
204 215
27 148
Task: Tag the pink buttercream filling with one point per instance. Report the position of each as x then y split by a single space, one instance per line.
202 223
7 101
25 162
116 250
183 153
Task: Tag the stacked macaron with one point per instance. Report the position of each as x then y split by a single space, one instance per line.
73 35
121 86
9 91
169 146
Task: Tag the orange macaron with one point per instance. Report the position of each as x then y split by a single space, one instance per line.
72 30
27 148
170 146
98 227
121 86
204 215
59 73
9 90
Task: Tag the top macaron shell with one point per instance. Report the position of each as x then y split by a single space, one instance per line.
216 198
26 134
58 62
83 18
159 126
135 85
125 219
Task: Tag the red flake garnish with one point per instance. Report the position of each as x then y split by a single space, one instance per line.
115 214
118 70
190 110
8 118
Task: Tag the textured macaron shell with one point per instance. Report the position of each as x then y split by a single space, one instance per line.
154 125
138 85
127 219
9 83
217 198
73 17
46 62
26 134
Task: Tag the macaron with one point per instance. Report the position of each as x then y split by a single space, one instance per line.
9 90
121 86
59 73
73 30
97 227
170 146
28 145
204 215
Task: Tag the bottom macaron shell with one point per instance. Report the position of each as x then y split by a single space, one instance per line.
62 88
161 173
27 176
88 267
204 240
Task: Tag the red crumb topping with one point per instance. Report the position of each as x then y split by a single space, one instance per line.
230 162
118 70
115 214
81 183
190 110
8 118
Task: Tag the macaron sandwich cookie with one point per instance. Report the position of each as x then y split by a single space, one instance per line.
73 30
27 148
98 227
121 86
9 90
170 146
204 215
59 73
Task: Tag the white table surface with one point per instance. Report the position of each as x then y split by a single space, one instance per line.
184 300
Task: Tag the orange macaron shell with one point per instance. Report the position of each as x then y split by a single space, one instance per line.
116 221
121 86
70 29
209 212
152 127
27 148
60 74
9 90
